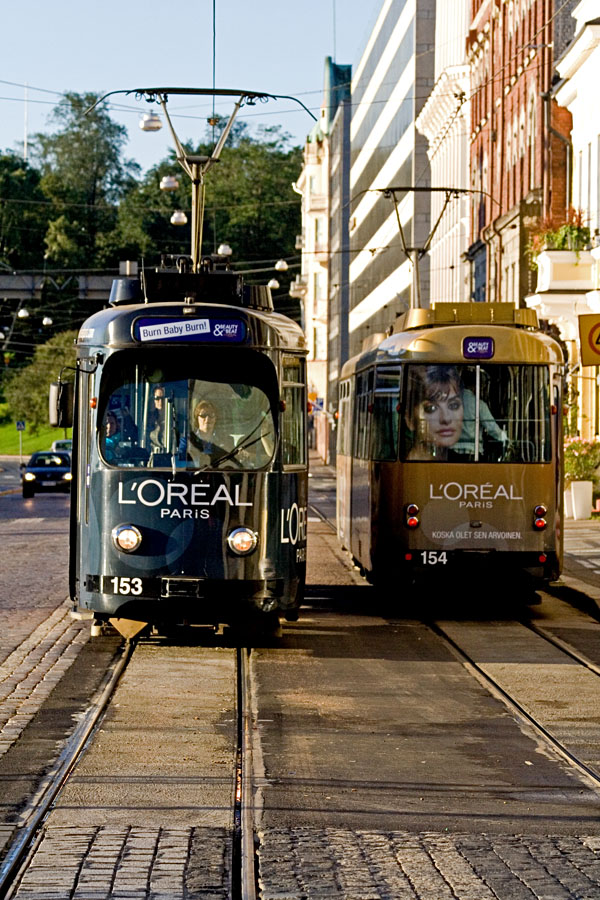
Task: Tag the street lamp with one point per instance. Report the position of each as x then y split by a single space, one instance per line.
23 313
150 122
179 218
168 183
273 284
281 265
224 250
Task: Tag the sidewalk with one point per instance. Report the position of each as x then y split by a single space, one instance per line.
581 570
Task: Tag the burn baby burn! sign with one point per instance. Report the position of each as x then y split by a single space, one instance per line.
225 330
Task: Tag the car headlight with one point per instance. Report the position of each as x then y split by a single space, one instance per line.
29 476
242 541
126 538
68 476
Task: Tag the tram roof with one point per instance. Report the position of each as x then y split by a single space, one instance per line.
116 327
438 334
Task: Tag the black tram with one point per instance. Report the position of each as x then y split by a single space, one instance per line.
449 453
189 489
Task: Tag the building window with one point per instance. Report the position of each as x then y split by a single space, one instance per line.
531 139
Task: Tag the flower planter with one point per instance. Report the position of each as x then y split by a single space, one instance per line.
568 503
581 496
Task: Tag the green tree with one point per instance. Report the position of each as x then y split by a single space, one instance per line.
84 176
250 202
24 212
26 391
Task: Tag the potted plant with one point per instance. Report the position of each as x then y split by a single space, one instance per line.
553 234
582 459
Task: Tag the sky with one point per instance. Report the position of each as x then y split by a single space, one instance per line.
274 46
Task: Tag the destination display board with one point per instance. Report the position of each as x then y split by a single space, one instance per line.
207 329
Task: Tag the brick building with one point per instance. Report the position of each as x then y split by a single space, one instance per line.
520 138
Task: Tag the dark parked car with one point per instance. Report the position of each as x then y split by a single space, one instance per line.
47 471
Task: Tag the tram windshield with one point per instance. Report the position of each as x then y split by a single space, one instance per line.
476 413
190 412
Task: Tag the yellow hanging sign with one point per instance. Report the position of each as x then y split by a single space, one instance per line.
589 339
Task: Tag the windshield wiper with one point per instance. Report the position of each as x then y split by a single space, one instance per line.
243 445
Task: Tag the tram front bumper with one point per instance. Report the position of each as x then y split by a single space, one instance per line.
202 599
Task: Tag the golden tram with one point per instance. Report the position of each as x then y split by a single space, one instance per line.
449 453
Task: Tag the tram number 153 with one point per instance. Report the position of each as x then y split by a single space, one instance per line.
126 585
434 557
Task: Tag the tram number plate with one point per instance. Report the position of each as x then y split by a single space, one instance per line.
434 557
119 584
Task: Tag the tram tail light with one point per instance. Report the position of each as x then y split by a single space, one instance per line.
539 517
412 518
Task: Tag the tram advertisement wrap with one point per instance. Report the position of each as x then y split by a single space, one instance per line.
493 514
185 522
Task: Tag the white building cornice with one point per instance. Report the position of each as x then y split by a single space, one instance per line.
443 103
580 49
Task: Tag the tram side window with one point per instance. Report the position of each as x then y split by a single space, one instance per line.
476 413
293 418
345 420
362 401
385 414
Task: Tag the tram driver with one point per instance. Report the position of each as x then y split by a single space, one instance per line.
206 445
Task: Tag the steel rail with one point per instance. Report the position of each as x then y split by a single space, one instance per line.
498 691
322 516
564 646
20 847
248 855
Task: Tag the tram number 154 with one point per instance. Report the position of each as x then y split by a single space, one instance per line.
434 557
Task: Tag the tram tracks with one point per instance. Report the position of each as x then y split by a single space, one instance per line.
519 708
551 731
30 832
23 845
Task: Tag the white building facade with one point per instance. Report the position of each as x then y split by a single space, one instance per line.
445 122
568 283
580 69
389 87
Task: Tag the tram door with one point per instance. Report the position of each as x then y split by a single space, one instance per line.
360 501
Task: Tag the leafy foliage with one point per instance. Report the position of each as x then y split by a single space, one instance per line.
23 213
582 458
84 177
27 389
572 234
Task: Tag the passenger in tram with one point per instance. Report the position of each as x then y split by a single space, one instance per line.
120 435
157 437
487 423
435 412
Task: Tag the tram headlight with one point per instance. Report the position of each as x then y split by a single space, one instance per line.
242 541
126 538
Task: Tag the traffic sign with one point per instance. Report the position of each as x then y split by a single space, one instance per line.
589 339
21 425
